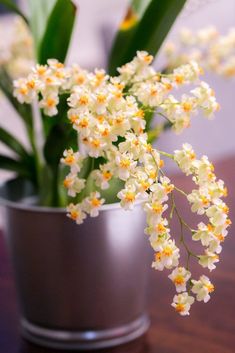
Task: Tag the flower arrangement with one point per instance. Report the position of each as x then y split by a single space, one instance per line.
108 113
98 130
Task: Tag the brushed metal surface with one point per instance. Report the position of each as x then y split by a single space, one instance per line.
90 277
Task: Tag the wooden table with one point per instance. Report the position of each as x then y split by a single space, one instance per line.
209 329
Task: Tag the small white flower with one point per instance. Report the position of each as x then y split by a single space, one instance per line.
179 277
208 260
93 203
182 303
185 158
128 197
125 164
203 287
75 212
168 257
72 159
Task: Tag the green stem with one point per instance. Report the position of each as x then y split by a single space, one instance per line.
171 156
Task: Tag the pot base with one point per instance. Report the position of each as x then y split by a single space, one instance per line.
84 340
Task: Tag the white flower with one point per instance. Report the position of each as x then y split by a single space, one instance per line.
75 212
208 260
49 103
73 160
74 184
103 176
24 91
128 197
200 200
179 277
218 213
185 158
125 164
203 287
93 203
168 257
182 303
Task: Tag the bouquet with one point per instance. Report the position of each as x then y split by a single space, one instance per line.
97 132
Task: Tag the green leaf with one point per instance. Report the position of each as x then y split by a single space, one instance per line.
14 165
39 11
11 142
11 5
143 30
56 38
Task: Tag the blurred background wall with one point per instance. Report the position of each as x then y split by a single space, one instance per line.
95 27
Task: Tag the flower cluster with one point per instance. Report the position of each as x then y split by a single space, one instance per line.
16 53
213 51
108 113
206 200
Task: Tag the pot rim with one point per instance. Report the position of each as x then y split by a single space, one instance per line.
46 209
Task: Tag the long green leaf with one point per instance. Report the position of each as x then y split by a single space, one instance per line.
56 38
39 11
11 5
8 163
143 32
11 142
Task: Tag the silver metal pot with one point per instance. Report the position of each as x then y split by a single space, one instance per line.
79 287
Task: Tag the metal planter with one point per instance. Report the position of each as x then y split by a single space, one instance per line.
79 287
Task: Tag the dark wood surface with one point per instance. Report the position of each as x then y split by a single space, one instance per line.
209 329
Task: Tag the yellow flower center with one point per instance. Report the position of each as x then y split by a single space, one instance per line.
210 287
157 208
192 156
220 237
179 308
205 201
158 256
144 184
70 159
153 92
152 174
179 280
23 91
100 118
101 99
95 202
129 196
95 143
41 70
179 79
187 107
50 102
74 215
119 120
210 227
125 163
105 132
67 182
140 113
80 79
107 175
167 251
73 118
225 192
161 228
31 84
83 100
83 123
